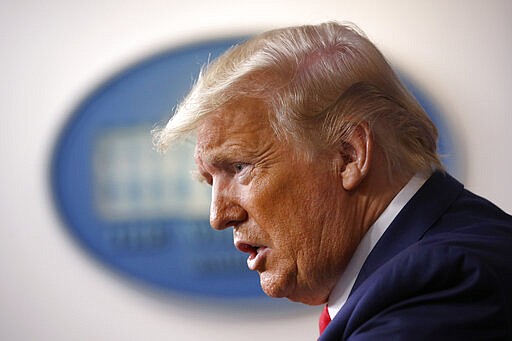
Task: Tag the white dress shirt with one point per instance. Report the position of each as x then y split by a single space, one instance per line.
340 293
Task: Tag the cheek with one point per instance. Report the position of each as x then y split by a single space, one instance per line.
291 211
294 217
314 223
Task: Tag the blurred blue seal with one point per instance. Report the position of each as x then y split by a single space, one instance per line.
137 211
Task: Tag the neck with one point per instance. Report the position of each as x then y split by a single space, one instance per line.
376 192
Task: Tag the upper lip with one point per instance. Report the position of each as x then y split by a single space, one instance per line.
248 247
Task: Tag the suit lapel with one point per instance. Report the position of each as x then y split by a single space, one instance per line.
413 221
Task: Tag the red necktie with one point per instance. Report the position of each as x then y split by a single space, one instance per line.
324 319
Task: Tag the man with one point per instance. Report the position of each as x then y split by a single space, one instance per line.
326 169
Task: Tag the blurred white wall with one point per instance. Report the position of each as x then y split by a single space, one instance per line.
53 53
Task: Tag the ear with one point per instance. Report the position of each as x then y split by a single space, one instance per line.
357 156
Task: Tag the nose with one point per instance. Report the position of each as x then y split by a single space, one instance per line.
225 208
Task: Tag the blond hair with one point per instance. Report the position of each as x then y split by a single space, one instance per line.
317 82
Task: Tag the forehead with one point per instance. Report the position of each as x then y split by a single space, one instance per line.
241 124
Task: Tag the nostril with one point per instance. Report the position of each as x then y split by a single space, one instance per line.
226 216
233 223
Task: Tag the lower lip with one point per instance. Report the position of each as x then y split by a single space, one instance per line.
255 262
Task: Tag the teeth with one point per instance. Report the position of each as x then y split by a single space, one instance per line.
254 251
256 257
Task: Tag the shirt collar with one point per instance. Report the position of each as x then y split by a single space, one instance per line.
341 291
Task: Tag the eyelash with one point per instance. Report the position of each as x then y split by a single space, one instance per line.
239 167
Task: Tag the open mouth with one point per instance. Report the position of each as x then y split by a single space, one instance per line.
257 254
252 250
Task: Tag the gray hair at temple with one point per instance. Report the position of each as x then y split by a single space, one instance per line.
318 83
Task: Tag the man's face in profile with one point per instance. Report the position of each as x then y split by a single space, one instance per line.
286 211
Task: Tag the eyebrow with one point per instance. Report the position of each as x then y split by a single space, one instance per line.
219 157
197 176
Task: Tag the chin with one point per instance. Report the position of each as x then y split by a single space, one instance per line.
278 287
275 285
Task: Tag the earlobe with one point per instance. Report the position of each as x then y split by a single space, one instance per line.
351 177
357 153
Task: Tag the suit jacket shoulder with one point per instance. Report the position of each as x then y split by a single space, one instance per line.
442 270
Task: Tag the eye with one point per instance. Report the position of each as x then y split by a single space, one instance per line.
239 167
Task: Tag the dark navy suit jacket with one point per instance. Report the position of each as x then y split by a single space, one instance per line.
441 271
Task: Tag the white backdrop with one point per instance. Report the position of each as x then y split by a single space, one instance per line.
53 53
